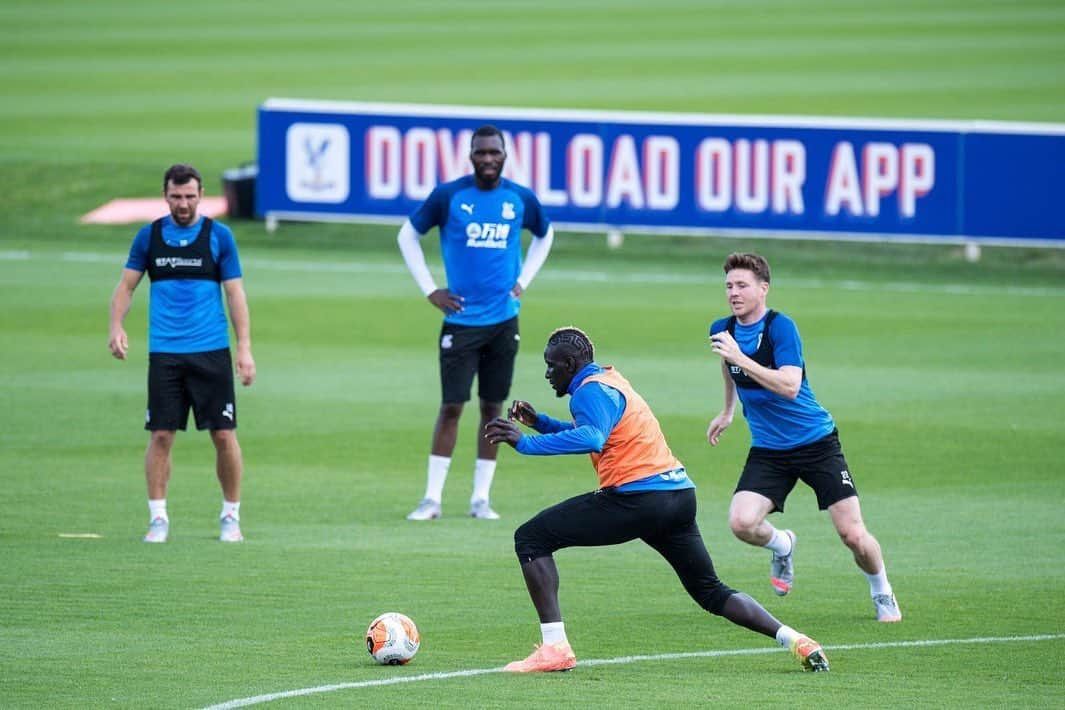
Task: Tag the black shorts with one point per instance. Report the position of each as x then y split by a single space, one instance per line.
665 520
485 351
203 381
820 465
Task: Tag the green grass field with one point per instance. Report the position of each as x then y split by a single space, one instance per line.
944 376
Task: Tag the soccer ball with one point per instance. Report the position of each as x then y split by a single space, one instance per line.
392 639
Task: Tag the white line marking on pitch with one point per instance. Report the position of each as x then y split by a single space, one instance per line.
556 274
256 700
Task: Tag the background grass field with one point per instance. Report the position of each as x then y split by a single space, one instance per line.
944 376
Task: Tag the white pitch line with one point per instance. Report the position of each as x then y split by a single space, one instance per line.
269 697
563 274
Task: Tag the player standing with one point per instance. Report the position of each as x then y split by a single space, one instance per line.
191 260
480 218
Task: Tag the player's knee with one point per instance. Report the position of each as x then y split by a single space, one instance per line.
224 439
713 600
490 410
743 523
163 438
529 542
451 410
854 536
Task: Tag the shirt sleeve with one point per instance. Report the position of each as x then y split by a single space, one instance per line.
534 218
228 257
787 346
138 251
432 212
546 424
596 411
718 325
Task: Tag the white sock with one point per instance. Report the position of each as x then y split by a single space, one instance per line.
780 543
554 633
157 509
785 635
434 484
483 473
230 509
878 583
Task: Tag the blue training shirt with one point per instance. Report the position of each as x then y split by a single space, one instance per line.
596 408
187 315
480 241
777 422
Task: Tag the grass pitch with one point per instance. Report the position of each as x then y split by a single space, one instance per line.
944 376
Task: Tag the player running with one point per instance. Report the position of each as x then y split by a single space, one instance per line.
644 493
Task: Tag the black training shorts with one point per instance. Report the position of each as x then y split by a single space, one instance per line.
485 351
820 465
203 381
665 520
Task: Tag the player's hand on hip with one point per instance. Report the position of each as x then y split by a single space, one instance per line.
446 301
522 411
517 290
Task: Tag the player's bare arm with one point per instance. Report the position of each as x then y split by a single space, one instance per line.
118 340
237 301
722 421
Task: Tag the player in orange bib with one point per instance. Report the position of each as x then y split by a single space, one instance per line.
644 493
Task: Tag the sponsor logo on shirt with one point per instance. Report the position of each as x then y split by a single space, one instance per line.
676 475
177 262
487 235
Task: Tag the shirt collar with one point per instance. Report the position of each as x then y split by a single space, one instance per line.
592 368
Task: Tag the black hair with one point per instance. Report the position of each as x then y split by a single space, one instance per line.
488 130
181 174
573 341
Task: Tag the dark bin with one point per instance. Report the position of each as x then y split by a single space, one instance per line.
238 187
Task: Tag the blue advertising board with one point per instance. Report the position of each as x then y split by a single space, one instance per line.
678 173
